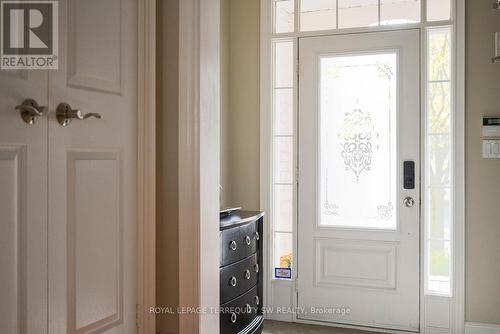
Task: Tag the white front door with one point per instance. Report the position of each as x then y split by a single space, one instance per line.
358 238
68 203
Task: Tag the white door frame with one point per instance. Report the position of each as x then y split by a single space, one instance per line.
199 91
286 290
146 169
198 164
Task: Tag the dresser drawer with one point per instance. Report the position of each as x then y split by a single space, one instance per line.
236 315
238 277
238 243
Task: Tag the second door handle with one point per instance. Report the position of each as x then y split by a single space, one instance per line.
65 114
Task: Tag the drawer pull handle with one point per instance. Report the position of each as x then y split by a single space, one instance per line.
232 281
257 301
232 245
248 241
247 274
233 317
256 268
257 236
248 308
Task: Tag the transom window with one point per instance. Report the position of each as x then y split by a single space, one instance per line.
317 15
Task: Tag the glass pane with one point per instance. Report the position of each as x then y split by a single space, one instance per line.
283 163
284 64
438 10
440 214
283 208
439 266
283 99
318 15
282 250
439 159
283 16
440 162
439 109
439 54
399 11
358 140
358 13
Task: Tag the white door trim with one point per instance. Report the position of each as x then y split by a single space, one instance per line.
198 164
458 279
146 160
199 91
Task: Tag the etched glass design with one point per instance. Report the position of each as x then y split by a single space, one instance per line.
358 150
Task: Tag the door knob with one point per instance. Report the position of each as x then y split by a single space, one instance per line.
409 202
30 111
65 114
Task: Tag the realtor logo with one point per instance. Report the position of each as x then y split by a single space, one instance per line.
29 36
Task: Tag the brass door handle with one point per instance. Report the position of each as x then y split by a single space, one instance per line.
65 114
30 111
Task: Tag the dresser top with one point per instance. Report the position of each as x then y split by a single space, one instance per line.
239 217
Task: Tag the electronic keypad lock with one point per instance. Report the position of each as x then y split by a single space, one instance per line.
409 175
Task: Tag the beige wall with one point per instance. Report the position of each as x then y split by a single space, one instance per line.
240 104
482 175
167 231
241 147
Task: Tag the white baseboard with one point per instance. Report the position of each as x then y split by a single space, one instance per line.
481 328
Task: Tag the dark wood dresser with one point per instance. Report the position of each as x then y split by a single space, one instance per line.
241 273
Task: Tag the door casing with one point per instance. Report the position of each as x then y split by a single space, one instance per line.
283 293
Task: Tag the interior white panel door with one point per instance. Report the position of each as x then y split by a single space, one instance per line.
92 170
23 206
358 241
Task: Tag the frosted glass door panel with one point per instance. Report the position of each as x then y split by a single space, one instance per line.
358 150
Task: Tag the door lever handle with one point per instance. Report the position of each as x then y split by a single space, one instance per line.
65 114
30 111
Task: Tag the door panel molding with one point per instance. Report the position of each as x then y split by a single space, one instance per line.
332 256
94 241
91 71
13 305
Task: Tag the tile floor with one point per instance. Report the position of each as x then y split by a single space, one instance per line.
276 327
